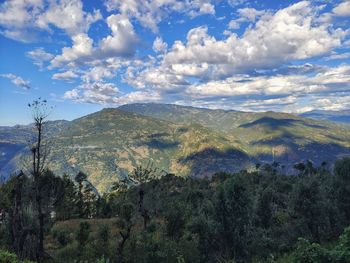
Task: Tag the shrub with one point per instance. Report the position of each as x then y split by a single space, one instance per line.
7 257
307 252
61 236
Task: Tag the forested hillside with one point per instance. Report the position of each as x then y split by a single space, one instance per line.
184 141
258 216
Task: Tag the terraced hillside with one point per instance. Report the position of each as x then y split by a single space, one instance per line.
182 140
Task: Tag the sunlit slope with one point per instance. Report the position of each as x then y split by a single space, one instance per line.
112 142
181 140
264 135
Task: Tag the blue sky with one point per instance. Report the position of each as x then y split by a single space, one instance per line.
82 56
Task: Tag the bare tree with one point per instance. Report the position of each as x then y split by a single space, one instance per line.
140 176
40 112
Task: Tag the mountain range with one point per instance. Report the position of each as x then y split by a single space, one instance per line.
186 141
335 116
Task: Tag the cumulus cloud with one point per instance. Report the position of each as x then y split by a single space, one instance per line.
80 51
333 80
156 78
67 75
17 80
235 3
20 19
67 15
150 13
121 43
262 67
97 92
139 96
250 14
123 39
97 73
234 24
39 56
108 94
289 34
343 9
159 46
17 16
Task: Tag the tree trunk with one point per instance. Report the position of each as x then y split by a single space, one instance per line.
125 237
142 210
37 171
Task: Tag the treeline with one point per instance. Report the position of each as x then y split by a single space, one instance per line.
257 216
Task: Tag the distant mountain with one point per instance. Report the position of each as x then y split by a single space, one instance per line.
16 138
335 116
186 141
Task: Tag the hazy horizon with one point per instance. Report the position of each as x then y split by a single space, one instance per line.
290 56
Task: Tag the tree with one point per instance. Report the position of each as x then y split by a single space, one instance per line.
82 236
138 178
80 178
309 208
307 252
233 214
342 186
65 208
40 112
125 224
90 200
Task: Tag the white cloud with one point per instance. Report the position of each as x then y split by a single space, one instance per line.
343 9
156 78
332 80
97 92
150 13
108 93
21 19
337 56
121 43
123 39
97 73
159 46
289 34
80 51
67 15
235 3
250 14
17 80
39 56
138 96
17 16
67 75
286 35
190 70
234 24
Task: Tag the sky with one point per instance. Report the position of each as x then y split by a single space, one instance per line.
82 55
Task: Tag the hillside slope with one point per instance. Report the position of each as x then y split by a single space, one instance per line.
266 136
185 141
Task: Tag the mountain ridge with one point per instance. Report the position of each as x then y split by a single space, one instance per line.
187 141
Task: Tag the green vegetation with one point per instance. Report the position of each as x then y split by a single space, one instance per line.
146 214
186 141
258 216
7 257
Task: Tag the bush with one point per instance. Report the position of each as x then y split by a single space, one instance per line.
307 252
7 257
61 236
67 254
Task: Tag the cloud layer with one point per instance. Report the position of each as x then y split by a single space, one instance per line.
292 58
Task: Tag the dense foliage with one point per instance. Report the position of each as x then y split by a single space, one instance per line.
257 216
